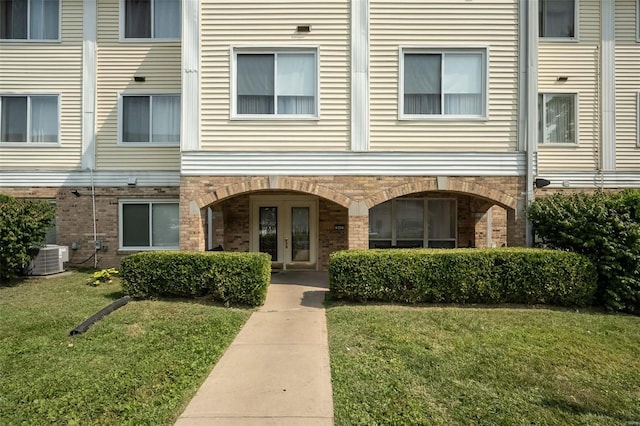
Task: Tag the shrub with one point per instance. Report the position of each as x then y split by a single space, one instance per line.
603 227
527 276
229 277
23 225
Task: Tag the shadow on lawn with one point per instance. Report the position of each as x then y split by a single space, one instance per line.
572 407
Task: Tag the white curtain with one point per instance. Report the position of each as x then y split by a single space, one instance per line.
559 118
255 84
44 119
422 77
463 83
14 119
137 16
44 19
296 82
166 19
442 220
557 18
13 19
135 119
165 225
166 119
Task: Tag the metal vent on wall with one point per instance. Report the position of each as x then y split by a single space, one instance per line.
49 260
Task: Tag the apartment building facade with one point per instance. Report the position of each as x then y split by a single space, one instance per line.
299 128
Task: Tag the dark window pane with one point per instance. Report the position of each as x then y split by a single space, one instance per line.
422 83
268 232
300 237
557 18
255 84
135 119
135 225
13 19
14 119
137 19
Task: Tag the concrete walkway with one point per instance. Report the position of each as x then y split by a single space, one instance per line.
276 371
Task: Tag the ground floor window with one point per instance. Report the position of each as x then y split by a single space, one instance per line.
413 222
149 224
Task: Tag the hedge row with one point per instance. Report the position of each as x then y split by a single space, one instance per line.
524 276
229 277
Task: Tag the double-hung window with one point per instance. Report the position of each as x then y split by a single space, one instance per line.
443 83
557 18
149 224
152 19
269 84
29 118
29 19
150 119
557 118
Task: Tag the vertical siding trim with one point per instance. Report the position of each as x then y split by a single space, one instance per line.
608 85
89 84
359 75
190 97
532 102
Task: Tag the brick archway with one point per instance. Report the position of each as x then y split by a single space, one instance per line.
458 185
279 183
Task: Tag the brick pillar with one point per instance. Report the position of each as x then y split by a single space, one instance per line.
516 228
358 228
192 225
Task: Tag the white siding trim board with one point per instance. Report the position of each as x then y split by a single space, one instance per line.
89 84
360 75
608 85
226 163
46 178
190 119
592 180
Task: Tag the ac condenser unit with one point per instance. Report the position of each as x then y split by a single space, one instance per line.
50 260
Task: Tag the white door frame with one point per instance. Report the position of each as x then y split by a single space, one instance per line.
284 203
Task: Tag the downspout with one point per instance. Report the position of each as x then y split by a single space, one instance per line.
530 10
95 232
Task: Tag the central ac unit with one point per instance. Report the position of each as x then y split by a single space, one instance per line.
49 260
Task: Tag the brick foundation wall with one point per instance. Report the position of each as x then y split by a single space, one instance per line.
74 218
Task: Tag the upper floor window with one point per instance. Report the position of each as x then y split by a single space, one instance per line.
557 18
150 119
29 19
155 19
557 118
276 84
29 119
443 83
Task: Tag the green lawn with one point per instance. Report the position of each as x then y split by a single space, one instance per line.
139 365
405 365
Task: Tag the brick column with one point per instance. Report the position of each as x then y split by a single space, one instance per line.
516 228
358 228
192 222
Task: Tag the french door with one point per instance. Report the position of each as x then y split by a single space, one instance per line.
286 229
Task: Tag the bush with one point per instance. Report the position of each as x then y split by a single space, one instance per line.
528 276
603 227
23 225
229 277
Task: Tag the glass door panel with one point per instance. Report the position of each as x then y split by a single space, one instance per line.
442 223
300 234
268 232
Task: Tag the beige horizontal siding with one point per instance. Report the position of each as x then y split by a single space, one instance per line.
48 67
444 24
579 61
273 23
627 86
118 63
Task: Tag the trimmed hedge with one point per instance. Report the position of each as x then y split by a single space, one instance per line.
229 277
527 276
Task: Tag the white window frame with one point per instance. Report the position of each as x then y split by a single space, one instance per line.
151 39
150 203
271 50
638 21
576 100
425 236
439 50
150 95
576 27
58 39
28 142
